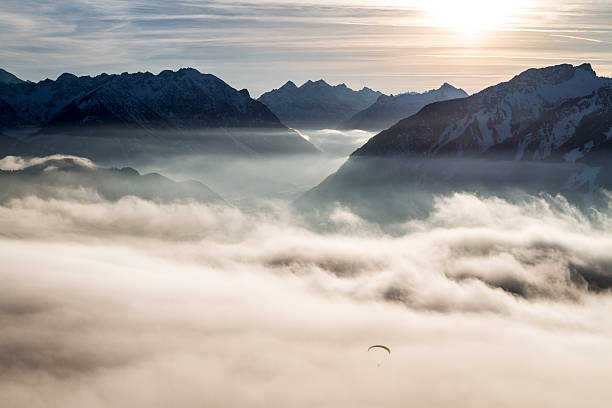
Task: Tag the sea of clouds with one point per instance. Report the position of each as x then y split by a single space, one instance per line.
134 303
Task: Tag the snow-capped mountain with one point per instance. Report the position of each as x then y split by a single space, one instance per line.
183 110
182 99
532 116
317 105
35 103
185 99
8 78
49 176
388 110
545 130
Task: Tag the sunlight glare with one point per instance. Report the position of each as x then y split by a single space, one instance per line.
471 15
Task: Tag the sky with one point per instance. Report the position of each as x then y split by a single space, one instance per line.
389 45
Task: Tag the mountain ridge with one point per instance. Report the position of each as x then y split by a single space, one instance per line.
9 78
51 97
317 104
545 130
144 106
489 117
388 110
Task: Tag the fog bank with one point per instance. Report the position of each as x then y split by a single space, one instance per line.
134 303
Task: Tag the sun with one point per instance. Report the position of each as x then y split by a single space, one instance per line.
471 15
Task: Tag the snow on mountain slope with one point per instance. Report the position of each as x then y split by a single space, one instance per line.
578 125
546 130
505 115
36 103
133 114
183 99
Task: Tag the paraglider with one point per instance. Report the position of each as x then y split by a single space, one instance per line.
381 347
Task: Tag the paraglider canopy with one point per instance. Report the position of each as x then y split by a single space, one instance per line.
381 347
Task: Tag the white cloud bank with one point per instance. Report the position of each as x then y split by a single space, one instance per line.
132 304
19 163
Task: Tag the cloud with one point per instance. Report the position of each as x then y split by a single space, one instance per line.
361 43
571 37
20 163
340 143
133 303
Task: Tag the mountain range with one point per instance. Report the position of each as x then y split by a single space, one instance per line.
547 129
317 105
535 115
129 114
388 110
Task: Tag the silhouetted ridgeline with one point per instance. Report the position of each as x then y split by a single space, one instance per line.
317 105
131 114
388 110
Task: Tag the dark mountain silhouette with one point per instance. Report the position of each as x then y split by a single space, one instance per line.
388 110
317 105
130 114
8 78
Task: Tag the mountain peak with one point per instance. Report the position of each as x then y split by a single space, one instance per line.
66 76
289 85
554 75
447 88
549 85
188 70
8 78
316 104
191 73
502 118
587 67
388 110
318 83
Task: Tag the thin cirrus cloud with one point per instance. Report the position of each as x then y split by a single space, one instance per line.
387 45
577 38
